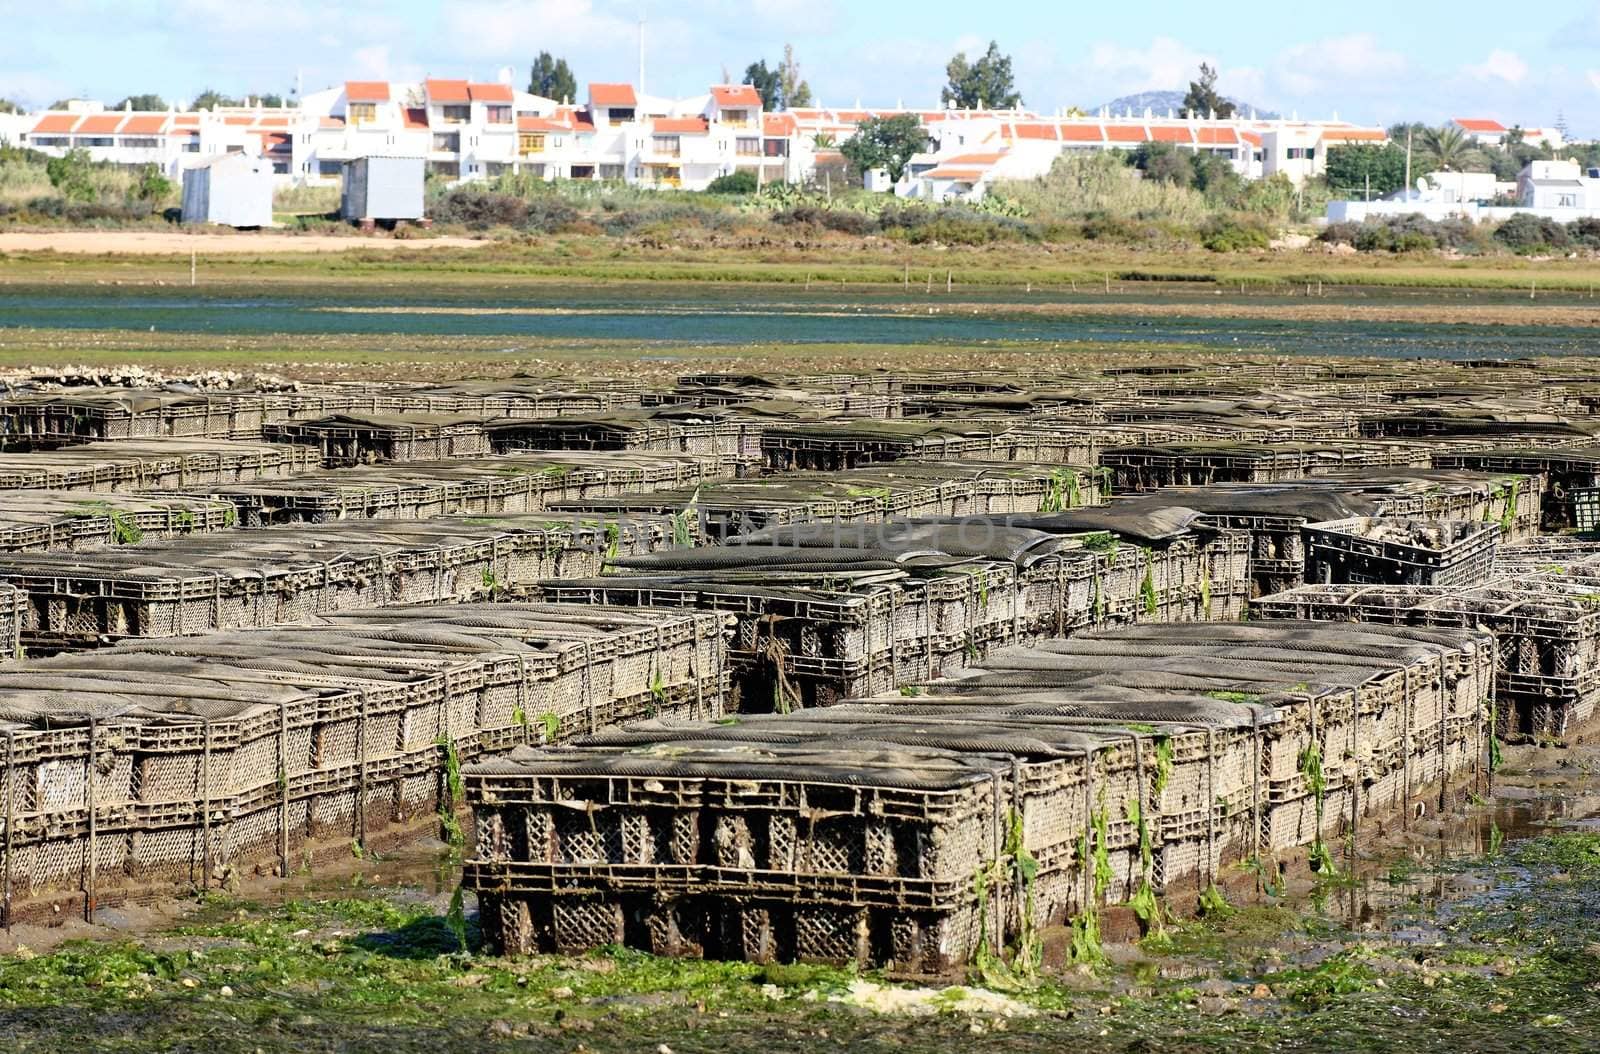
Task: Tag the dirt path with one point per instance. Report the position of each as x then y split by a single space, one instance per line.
167 243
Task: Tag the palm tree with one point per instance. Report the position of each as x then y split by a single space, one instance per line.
1446 149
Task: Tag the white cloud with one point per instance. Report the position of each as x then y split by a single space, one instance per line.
1501 65
1166 63
1336 65
1594 79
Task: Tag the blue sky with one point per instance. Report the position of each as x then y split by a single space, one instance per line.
1367 60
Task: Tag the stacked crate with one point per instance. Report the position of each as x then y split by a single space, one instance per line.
73 521
888 831
161 766
827 612
490 485
1546 628
268 577
351 439
125 466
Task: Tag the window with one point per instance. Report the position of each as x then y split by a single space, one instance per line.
192 146
582 171
665 144
141 143
1302 153
499 115
450 141
620 114
329 168
777 147
361 112
447 169
610 171
457 114
535 170
1566 201
747 147
530 143
48 140
736 118
95 140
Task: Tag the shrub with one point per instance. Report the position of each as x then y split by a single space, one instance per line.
1585 232
1233 234
71 174
550 214
733 183
479 209
1525 232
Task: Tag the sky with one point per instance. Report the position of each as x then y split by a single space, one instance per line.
1374 61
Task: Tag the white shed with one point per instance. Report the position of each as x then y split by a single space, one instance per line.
382 188
234 190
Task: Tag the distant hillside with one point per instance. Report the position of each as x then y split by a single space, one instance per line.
1160 102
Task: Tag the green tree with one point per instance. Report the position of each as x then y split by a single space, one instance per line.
740 182
1162 162
142 102
768 84
71 175
210 99
1354 168
793 89
985 83
7 106
152 186
1447 149
1203 99
887 143
270 99
552 78
1215 177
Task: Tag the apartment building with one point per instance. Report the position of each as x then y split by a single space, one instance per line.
1486 131
469 131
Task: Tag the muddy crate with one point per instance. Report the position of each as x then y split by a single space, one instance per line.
1396 551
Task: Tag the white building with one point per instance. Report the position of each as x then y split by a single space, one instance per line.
1555 190
469 131
1485 131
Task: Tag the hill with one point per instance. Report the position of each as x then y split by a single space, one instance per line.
1160 102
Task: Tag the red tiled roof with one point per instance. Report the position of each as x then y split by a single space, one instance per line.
779 124
964 175
145 124
446 91
1126 133
273 122
414 117
582 120
725 95
186 120
612 95
534 123
331 122
55 123
1082 133
681 125
489 92
1031 131
276 142
366 91
972 159
236 121
1216 136
1479 124
1355 135
1170 134
1253 138
852 116
100 124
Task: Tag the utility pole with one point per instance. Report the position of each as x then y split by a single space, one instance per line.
641 49
1409 130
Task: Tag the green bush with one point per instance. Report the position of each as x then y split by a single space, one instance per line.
733 183
1231 234
1527 233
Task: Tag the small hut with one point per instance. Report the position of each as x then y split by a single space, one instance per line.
234 190
382 189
